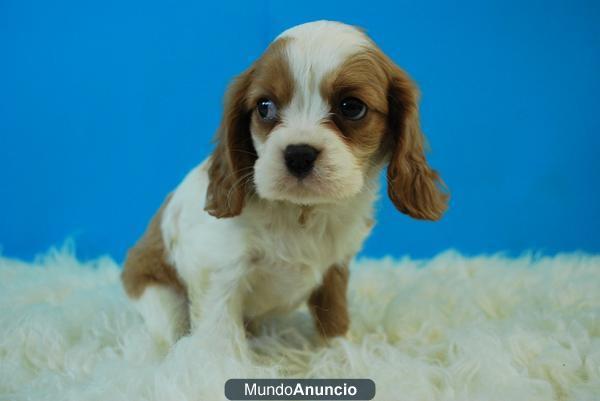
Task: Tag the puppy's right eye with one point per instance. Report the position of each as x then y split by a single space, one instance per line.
267 110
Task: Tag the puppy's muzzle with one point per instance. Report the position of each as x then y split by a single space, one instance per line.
300 159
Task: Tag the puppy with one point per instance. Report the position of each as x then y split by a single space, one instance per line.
274 216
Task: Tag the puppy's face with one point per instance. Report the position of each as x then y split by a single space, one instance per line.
318 116
314 119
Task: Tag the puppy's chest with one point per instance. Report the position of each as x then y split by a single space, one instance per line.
278 287
285 263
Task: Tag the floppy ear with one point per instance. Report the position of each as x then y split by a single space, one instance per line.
231 166
414 187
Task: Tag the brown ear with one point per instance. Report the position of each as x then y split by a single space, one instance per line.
231 168
414 187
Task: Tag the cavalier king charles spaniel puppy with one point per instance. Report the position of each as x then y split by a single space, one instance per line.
275 215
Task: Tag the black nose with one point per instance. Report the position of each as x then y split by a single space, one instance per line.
300 159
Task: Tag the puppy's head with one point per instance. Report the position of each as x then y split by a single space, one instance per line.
314 119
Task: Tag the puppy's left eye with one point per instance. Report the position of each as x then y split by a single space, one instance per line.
353 108
267 110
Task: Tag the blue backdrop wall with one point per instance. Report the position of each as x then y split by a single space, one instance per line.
105 105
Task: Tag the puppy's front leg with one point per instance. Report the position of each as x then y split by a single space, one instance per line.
217 318
328 303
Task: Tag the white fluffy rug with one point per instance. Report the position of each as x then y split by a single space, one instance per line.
450 328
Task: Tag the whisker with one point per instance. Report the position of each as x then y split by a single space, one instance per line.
237 182
238 171
244 151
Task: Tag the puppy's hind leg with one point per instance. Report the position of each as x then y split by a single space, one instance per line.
155 287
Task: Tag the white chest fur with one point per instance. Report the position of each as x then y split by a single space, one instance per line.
290 247
276 251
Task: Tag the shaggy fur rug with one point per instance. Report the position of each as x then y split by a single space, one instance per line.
449 328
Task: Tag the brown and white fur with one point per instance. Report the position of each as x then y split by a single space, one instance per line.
241 239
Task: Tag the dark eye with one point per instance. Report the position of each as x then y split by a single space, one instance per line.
352 108
266 109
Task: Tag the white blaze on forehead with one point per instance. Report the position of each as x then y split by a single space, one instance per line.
316 49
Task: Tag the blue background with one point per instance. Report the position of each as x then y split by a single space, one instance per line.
105 105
